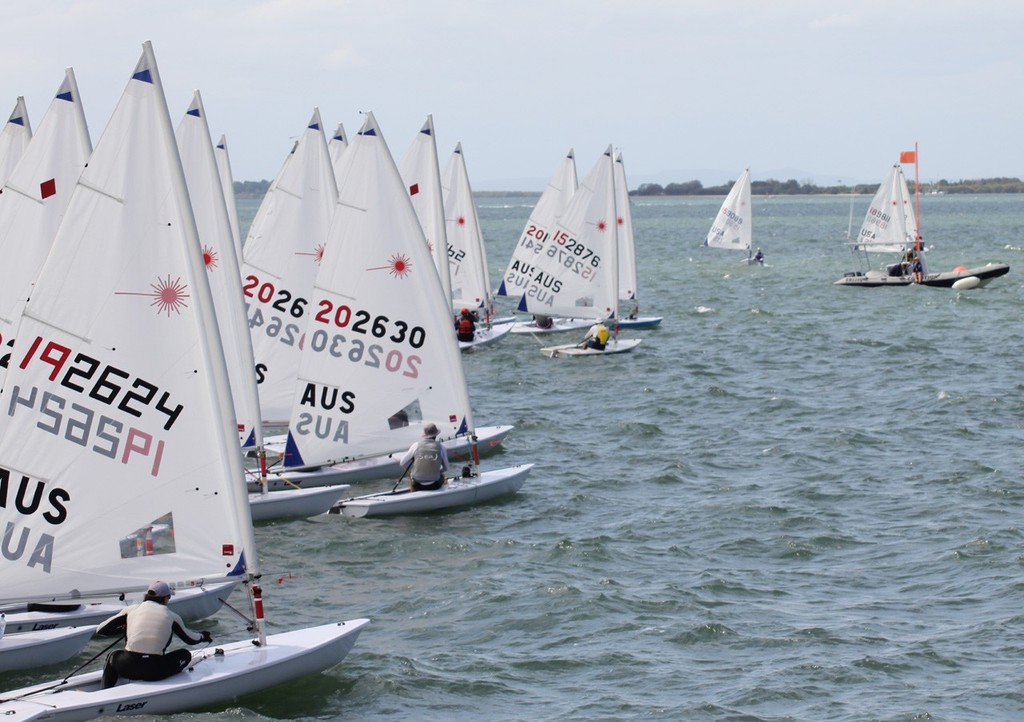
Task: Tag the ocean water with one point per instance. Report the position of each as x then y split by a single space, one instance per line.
794 501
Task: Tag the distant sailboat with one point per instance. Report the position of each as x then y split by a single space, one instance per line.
627 255
467 257
580 278
731 228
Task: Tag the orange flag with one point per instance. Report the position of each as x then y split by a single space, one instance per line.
908 156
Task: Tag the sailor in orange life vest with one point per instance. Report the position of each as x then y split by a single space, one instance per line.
465 326
596 338
149 626
426 461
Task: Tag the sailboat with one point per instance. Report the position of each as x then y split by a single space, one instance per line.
120 414
731 228
467 257
379 357
422 177
627 254
892 225
203 179
579 278
532 243
14 138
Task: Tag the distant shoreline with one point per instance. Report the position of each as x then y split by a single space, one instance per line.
257 189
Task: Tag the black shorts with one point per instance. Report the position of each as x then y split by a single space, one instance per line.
427 485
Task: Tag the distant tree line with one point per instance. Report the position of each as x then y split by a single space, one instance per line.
251 189
792 187
257 189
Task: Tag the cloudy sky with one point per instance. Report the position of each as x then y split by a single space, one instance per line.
804 89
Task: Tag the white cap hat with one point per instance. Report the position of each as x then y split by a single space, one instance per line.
160 589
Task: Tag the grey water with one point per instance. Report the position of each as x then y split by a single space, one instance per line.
793 501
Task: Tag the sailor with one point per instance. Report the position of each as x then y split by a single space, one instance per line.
596 338
917 268
149 626
426 460
465 326
759 257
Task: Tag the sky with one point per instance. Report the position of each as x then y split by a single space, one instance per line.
817 91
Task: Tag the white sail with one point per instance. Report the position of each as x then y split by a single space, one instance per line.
281 255
577 274
552 203
380 354
467 257
116 410
889 224
14 138
34 200
227 181
422 177
214 226
731 227
336 146
627 249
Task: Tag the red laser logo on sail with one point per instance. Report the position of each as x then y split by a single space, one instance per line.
167 295
209 258
398 265
317 254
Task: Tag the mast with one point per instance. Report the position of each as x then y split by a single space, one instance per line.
917 201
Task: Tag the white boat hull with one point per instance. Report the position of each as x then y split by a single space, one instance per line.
621 345
189 604
489 438
212 678
486 336
639 322
25 650
558 325
293 503
457 492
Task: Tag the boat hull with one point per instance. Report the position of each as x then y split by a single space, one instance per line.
946 279
639 322
189 604
622 345
215 675
295 503
486 336
558 325
456 493
489 438
25 650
